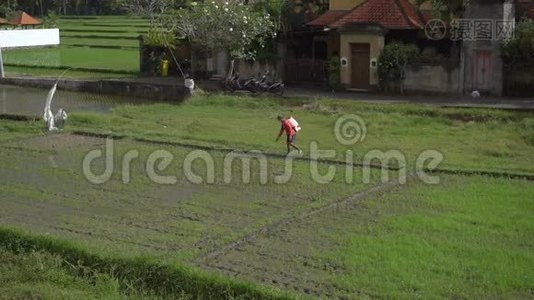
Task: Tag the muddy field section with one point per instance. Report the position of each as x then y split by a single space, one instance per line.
234 229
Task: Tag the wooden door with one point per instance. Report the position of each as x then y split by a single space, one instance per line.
360 66
483 70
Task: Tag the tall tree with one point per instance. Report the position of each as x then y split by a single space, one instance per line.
518 52
152 9
230 26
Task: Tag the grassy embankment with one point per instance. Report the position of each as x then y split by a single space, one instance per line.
469 139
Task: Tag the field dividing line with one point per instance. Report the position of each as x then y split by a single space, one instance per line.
7 144
497 174
464 172
17 117
268 154
382 187
25 149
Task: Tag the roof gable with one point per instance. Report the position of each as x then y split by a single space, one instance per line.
22 18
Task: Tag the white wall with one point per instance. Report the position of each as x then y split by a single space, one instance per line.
434 79
247 70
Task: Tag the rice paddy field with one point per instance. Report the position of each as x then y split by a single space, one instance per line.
159 227
107 45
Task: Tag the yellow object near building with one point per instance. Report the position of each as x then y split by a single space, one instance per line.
164 68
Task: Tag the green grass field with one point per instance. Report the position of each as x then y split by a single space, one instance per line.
77 57
450 241
469 237
478 139
41 275
100 42
106 43
466 237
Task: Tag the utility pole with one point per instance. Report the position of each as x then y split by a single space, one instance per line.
2 74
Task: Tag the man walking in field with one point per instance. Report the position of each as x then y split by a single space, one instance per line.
291 133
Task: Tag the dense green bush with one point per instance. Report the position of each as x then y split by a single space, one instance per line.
518 52
334 67
160 38
393 61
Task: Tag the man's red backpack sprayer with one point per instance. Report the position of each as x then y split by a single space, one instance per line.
294 124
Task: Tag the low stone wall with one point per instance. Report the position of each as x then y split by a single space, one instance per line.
432 79
128 88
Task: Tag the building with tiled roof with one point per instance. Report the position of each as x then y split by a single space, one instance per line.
357 30
389 14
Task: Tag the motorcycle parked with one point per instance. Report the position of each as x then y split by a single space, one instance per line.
276 87
235 83
254 85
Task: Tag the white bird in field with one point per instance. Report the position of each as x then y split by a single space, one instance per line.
53 122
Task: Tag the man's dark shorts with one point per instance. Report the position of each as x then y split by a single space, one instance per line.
291 139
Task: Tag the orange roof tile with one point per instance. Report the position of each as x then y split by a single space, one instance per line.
390 14
22 18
